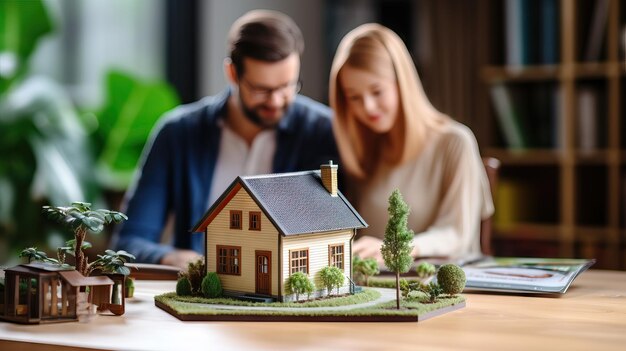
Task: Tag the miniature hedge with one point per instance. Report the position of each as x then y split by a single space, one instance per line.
451 278
211 285
183 287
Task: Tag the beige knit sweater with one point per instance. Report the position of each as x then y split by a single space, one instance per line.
446 188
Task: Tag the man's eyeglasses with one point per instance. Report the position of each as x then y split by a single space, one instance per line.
262 93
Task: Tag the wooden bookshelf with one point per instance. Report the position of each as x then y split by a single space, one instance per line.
568 188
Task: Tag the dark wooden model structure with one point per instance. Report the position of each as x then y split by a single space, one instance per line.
45 293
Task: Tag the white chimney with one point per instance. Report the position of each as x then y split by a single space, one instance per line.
329 177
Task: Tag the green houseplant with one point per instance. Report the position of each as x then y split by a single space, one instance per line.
49 150
42 140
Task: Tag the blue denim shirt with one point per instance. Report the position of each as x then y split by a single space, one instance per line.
178 164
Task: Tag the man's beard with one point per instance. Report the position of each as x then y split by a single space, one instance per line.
256 119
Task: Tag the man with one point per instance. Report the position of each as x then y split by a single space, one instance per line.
259 125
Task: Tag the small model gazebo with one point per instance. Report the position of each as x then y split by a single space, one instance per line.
46 293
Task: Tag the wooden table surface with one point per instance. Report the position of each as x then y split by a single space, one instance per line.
590 316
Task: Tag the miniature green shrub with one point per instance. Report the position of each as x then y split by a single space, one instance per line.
130 287
363 269
451 278
433 290
407 287
331 277
211 286
298 283
195 274
183 287
357 276
425 270
404 288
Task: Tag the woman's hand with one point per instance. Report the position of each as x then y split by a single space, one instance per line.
368 246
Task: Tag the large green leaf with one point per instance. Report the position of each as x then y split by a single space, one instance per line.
132 108
22 24
38 120
45 159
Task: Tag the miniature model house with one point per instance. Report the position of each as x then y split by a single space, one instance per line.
45 293
264 228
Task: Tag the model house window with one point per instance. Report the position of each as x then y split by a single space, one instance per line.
235 219
299 261
335 256
229 259
255 220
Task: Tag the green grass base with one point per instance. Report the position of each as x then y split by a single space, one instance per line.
366 296
412 310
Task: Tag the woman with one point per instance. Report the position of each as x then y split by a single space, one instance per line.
390 136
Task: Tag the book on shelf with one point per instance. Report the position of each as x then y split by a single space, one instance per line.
549 29
514 199
542 115
597 30
508 117
517 32
529 115
531 32
558 133
587 119
524 275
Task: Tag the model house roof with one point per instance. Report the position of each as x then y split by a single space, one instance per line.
69 274
296 203
76 279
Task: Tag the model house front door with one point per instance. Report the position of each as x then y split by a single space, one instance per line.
263 272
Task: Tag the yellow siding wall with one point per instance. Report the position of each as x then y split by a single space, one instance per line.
219 233
318 253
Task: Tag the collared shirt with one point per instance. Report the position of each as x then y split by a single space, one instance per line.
235 158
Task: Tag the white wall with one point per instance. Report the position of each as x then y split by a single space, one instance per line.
99 35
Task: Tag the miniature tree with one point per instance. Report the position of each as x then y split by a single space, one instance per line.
396 248
81 218
365 268
211 286
451 278
331 277
298 283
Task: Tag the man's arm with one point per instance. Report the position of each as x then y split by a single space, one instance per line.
148 202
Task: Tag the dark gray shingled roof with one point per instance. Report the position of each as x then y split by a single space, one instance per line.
298 203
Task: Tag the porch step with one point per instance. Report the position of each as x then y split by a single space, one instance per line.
255 298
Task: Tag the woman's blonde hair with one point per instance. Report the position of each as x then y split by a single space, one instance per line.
377 49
